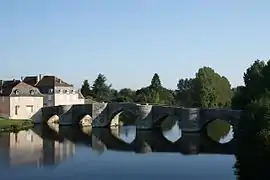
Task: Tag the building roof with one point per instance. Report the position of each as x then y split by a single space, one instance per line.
32 80
8 88
52 81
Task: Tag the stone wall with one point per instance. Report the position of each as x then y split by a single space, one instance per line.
148 116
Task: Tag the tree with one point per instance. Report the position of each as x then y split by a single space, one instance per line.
211 89
101 91
184 92
113 94
155 82
154 93
256 79
127 92
85 89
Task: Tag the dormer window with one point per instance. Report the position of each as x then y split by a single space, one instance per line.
72 91
32 92
16 91
65 91
50 91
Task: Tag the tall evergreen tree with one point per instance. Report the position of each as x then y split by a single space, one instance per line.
155 82
101 91
85 89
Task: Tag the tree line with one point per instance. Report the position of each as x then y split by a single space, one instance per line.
206 89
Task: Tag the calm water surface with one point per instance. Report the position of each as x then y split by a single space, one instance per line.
119 153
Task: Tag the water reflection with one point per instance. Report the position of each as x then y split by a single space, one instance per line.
52 144
219 131
100 148
127 133
28 148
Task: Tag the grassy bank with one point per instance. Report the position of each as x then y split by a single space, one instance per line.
12 125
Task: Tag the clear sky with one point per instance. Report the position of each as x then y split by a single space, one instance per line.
129 40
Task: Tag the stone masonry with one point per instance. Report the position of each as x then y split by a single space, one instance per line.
148 116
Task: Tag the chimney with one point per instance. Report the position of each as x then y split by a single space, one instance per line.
39 77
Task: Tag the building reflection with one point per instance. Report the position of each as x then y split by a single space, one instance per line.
28 148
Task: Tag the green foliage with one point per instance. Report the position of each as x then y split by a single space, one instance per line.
155 93
184 93
208 89
11 125
85 89
218 129
255 117
100 90
122 99
211 89
155 82
256 80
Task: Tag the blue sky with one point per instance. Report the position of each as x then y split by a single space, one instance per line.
130 40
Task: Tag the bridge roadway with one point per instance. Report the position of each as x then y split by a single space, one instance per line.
145 141
148 116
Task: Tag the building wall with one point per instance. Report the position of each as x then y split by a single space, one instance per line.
67 99
25 107
62 96
5 106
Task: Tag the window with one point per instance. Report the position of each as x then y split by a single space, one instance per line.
30 108
50 91
17 109
66 91
32 92
16 92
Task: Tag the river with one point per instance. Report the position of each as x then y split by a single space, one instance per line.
119 153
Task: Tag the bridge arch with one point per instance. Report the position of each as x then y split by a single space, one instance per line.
116 109
222 133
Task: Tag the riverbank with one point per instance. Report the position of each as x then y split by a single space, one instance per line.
13 125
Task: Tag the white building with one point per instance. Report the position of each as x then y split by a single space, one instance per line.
56 91
19 100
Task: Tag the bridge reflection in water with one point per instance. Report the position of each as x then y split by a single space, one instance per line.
44 145
101 139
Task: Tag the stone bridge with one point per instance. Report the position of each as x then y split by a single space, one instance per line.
148 116
101 139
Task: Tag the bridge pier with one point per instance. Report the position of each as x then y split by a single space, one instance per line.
66 115
144 119
190 118
99 115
